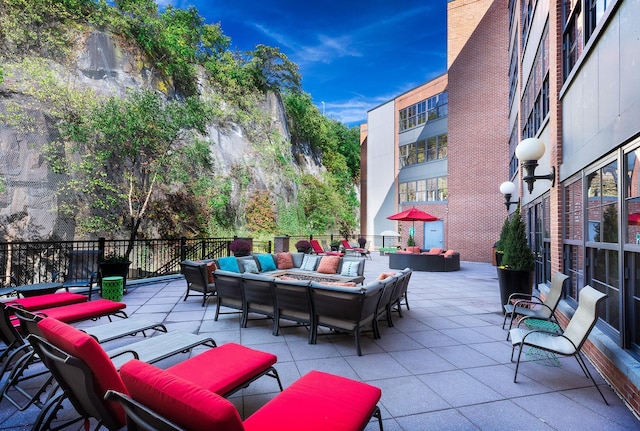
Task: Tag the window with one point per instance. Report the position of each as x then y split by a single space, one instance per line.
426 110
581 17
535 97
429 190
433 148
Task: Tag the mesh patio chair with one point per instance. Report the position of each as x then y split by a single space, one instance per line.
399 296
532 307
229 288
257 292
568 343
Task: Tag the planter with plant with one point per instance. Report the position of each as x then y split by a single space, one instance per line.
240 247
515 274
113 264
411 245
304 246
335 245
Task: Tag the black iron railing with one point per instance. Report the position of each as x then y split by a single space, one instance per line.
39 262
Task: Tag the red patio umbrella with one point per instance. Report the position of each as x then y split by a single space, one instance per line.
414 215
634 218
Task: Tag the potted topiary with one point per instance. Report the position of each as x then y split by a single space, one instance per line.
515 274
335 245
303 246
240 247
411 245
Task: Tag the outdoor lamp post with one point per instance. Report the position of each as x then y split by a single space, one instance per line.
507 189
529 151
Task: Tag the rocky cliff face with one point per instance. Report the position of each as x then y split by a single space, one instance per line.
108 66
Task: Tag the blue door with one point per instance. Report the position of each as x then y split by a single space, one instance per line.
434 234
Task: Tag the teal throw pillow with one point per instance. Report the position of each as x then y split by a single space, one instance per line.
229 264
349 269
250 266
266 262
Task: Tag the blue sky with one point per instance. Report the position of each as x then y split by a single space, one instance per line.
353 54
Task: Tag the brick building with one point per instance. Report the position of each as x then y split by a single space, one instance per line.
563 72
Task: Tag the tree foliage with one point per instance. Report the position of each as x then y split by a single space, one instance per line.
132 138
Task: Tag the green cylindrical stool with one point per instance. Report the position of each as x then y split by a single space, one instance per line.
112 288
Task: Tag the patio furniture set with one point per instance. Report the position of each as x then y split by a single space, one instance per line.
189 395
304 296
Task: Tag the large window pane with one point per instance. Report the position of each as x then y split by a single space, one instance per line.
632 197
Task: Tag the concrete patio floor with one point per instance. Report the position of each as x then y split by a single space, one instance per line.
444 366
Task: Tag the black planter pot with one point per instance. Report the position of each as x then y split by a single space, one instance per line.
114 269
512 281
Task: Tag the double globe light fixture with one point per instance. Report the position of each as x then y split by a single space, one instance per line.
528 152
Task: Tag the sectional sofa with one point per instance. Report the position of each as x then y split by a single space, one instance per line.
301 265
434 260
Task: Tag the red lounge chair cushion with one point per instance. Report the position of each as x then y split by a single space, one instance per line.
85 310
328 265
346 244
284 260
318 402
81 345
224 368
182 402
47 301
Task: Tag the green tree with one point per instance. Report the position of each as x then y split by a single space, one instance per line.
134 140
272 70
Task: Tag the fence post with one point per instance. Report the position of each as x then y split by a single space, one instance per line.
183 248
101 242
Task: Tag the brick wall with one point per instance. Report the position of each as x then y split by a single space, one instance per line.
478 143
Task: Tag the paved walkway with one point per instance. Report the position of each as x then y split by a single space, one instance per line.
444 366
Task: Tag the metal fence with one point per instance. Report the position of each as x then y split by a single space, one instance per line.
39 262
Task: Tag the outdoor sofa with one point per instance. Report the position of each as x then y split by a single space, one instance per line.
433 260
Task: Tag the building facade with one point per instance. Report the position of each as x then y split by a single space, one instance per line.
562 71
575 67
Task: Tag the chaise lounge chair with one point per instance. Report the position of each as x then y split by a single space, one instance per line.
85 372
568 343
315 402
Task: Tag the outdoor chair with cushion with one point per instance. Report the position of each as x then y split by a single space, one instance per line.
82 270
345 309
257 293
569 342
531 306
384 304
315 402
199 278
293 303
400 294
85 372
229 288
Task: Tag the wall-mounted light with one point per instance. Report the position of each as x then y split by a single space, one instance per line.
507 189
529 151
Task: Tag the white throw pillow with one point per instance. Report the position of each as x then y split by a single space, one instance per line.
250 266
309 263
349 269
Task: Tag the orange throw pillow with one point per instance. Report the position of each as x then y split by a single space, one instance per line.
386 275
328 265
435 251
284 260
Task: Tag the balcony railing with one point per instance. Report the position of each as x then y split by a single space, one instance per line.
37 262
